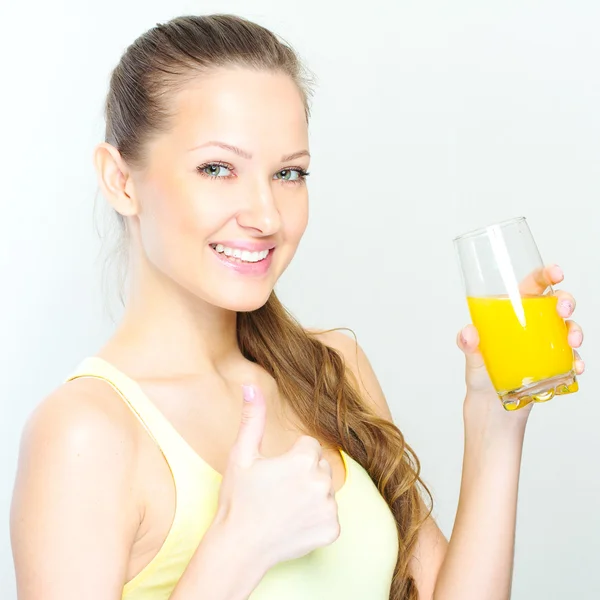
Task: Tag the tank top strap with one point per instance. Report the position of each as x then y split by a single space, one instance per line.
196 484
178 454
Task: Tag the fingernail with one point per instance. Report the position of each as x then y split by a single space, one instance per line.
248 392
577 338
463 339
566 307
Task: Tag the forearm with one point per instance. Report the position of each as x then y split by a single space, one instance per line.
224 567
479 560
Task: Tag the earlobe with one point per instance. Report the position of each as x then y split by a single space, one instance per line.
114 179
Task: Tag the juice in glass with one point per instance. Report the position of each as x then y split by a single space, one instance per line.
523 341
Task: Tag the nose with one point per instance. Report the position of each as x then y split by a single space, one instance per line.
260 211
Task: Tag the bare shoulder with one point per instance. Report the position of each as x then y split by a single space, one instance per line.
81 415
358 363
75 511
79 435
339 339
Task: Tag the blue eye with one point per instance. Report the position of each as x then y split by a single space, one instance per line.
215 170
222 171
291 174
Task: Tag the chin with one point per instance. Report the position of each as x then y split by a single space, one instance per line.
242 300
247 306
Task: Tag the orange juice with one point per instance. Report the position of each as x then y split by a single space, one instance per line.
521 343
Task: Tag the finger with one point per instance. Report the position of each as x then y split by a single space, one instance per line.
575 334
468 341
308 445
538 281
565 304
252 426
325 466
579 364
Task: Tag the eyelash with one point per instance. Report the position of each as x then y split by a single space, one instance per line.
301 172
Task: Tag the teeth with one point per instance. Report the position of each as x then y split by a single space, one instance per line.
243 255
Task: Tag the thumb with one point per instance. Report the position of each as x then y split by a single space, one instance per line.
252 426
468 341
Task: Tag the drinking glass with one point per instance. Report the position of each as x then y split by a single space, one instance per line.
523 339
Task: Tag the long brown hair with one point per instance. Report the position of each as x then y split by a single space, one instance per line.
311 376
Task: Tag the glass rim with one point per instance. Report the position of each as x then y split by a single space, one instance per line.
486 228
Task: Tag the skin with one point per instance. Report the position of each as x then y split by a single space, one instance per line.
93 491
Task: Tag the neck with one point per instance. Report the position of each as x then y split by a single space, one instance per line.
168 331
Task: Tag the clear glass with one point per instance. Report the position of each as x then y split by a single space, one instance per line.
523 339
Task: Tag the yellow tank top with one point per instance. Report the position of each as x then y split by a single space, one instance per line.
357 566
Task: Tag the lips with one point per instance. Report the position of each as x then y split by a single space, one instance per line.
247 262
248 256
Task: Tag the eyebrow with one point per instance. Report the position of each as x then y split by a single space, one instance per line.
245 154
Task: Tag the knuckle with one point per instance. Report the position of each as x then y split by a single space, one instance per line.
337 529
303 439
307 451
309 443
329 528
245 417
333 506
303 458
325 467
332 510
323 485
333 531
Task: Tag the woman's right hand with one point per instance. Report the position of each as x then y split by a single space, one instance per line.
284 507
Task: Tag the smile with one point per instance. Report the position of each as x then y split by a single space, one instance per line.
241 256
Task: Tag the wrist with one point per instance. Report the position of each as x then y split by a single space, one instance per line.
484 416
223 551
493 437
241 543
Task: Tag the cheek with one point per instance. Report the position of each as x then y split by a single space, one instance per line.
174 225
296 218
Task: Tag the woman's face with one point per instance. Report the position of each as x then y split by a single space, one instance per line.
223 201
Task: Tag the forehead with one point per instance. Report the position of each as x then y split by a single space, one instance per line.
253 109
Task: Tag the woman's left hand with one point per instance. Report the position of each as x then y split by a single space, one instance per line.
480 391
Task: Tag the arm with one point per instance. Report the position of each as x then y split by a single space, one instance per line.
483 533
76 510
209 574
73 517
484 528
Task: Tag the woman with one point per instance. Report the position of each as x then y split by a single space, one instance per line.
145 476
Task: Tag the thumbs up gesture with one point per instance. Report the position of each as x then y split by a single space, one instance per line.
285 503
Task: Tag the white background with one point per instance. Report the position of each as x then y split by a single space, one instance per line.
430 118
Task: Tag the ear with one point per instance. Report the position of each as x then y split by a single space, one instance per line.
115 180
